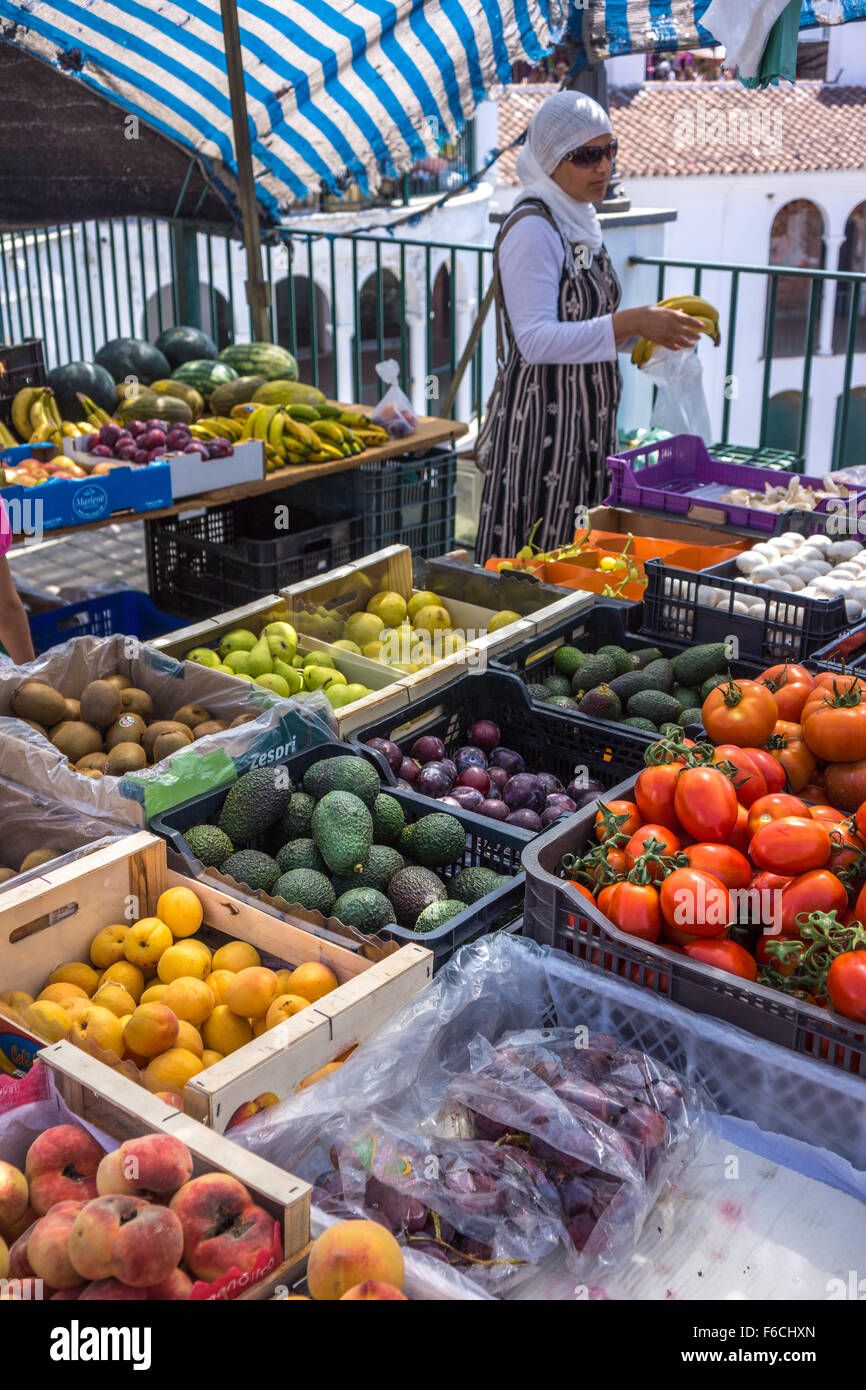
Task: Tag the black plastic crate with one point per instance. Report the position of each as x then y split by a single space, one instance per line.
778 460
557 915
488 843
402 501
227 556
545 740
20 366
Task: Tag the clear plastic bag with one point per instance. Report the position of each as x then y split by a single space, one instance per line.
394 412
681 405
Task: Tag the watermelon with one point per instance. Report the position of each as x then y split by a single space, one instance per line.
269 360
132 357
185 344
205 375
86 377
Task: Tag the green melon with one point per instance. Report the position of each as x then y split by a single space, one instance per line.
269 360
86 377
205 375
185 344
133 358
235 393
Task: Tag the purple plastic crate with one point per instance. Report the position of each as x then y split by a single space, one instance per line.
686 475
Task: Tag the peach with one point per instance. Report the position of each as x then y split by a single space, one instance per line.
61 1166
252 991
312 980
47 1020
59 994
15 1000
189 1038
170 1098
181 910
171 1070
224 1031
75 972
222 1226
12 1230
190 957
209 1057
153 994
125 1238
48 1249
375 1289
252 1107
123 972
151 1030
317 1075
74 1008
111 1291
236 955
351 1253
217 982
100 1026
285 1006
154 1165
19 1265
178 1285
146 941
14 1194
114 997
189 999
107 946
283 977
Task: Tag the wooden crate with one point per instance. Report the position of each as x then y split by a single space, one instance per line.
120 1108
54 920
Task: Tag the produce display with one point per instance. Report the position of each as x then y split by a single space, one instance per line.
271 659
816 567
796 496
146 441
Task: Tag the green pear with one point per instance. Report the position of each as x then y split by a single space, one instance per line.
319 659
238 662
282 639
293 678
346 646
298 661
320 677
338 696
276 684
204 656
259 661
357 692
241 640
242 676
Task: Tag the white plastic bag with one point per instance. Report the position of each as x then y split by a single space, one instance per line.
681 405
394 411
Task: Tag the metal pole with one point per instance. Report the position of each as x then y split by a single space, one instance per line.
257 287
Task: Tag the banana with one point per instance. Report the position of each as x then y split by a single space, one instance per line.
275 430
243 411
229 429
7 438
329 431
53 409
39 421
692 304
21 410
307 413
69 430
710 327
44 433
93 410
304 434
354 419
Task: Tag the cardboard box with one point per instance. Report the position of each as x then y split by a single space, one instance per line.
190 474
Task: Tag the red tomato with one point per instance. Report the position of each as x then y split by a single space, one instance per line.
860 905
790 686
846 985
774 773
705 803
748 779
740 837
619 808
815 891
774 807
726 864
641 839
834 722
654 793
787 745
792 845
827 815
814 794
634 908
845 784
724 955
604 896
673 936
845 847
741 712
696 902
769 882
582 889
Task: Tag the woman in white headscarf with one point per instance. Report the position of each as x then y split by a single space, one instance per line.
551 420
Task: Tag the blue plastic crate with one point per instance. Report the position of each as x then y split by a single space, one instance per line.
129 612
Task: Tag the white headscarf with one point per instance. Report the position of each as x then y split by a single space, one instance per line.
561 123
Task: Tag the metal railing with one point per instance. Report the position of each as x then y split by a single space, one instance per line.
817 329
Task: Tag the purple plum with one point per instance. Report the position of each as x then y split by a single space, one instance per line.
549 783
484 734
428 749
469 757
526 819
524 791
433 780
586 789
466 796
110 434
476 778
498 777
390 751
450 767
496 810
409 769
507 758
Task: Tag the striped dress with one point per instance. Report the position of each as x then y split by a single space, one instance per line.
549 428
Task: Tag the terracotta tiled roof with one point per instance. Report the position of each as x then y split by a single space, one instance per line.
681 128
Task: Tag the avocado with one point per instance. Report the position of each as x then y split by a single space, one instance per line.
697 664
662 674
258 871
558 685
596 670
601 703
567 660
563 701
364 908
627 685
635 722
300 854
619 656
346 774
388 819
437 913
642 656
254 802
295 820
435 840
472 884
538 692
687 696
307 888
383 862
343 830
654 705
712 683
413 889
689 716
209 844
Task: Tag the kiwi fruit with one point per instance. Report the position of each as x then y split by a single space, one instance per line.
76 739
129 728
213 726
92 762
31 723
100 704
126 757
40 702
166 744
122 682
162 726
242 719
6 874
135 701
193 715
37 857
73 709
93 773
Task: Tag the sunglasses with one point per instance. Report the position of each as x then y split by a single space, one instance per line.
588 156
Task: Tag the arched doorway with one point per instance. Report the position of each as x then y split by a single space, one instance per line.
783 420
852 452
852 256
796 239
442 349
380 331
214 315
304 327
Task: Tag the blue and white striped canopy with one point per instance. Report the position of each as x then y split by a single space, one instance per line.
334 87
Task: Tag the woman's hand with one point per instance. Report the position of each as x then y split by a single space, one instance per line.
668 327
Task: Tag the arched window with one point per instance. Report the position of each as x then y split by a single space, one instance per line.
380 331
852 451
852 256
214 315
783 419
303 325
441 364
796 239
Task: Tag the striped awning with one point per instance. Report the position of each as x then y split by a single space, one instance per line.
335 90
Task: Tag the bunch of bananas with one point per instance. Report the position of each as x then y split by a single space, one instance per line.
691 304
37 419
294 434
